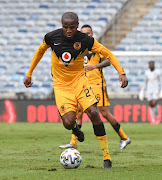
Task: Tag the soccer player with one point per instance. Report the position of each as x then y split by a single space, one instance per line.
94 62
71 86
152 84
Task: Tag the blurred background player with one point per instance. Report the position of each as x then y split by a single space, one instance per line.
152 84
94 63
71 86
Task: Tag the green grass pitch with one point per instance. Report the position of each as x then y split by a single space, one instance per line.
30 152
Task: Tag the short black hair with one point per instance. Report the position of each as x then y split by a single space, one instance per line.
151 61
70 15
86 25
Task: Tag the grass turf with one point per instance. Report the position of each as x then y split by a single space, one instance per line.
30 152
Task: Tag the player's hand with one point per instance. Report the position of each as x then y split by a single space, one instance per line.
89 67
123 80
27 82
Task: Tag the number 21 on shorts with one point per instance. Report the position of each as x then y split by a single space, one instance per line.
87 92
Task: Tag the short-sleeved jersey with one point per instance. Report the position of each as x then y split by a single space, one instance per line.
95 76
153 80
68 56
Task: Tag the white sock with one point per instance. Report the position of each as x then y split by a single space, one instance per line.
156 110
152 115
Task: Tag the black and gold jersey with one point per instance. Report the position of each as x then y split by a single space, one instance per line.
95 77
67 56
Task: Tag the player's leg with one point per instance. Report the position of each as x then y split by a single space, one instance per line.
99 131
155 106
152 112
103 108
73 142
154 109
111 119
80 116
150 103
67 106
155 102
69 122
87 100
117 127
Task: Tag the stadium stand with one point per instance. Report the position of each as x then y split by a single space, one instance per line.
147 35
24 24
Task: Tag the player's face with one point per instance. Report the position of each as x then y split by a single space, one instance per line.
69 27
152 65
87 31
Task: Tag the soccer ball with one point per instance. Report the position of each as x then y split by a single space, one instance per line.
70 158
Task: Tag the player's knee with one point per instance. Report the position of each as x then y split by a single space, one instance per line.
68 124
92 112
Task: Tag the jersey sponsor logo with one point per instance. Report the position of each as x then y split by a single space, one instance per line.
77 45
56 44
85 59
66 56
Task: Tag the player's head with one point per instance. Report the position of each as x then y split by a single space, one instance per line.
69 24
151 65
87 29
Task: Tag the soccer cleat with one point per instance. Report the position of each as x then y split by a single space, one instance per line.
69 145
124 143
107 164
79 135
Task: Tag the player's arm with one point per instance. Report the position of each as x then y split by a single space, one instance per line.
99 48
102 64
36 58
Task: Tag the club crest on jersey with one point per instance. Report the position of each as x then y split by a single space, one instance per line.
85 59
62 108
77 45
66 56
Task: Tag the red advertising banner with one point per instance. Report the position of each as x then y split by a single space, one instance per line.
125 110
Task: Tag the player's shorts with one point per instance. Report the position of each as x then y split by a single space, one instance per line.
101 94
67 98
152 95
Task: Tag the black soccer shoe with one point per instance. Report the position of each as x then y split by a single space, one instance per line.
107 164
79 135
